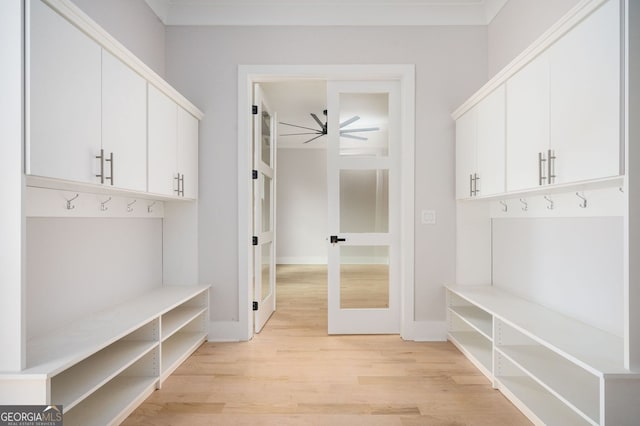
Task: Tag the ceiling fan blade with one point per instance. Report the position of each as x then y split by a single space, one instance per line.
360 138
298 134
349 121
313 139
364 129
320 123
295 125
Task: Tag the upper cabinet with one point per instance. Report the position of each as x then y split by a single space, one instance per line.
563 110
480 148
97 116
64 99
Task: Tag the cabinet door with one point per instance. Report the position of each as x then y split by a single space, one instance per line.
490 143
527 122
188 152
585 98
124 123
465 153
162 150
63 98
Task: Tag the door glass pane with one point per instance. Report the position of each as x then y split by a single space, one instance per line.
364 124
364 201
265 198
364 277
266 137
266 270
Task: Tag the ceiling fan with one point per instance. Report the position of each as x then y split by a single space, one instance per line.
345 133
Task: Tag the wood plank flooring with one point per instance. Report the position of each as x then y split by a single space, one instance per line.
293 373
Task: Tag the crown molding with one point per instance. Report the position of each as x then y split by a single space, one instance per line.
326 12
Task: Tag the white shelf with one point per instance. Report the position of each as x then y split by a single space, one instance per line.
476 318
173 320
111 403
76 383
546 407
597 351
476 347
178 348
61 349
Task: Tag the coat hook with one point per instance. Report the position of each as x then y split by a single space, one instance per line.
583 204
525 205
504 206
550 206
103 207
621 189
129 208
69 205
149 207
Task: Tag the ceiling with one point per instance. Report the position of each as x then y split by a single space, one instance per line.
326 12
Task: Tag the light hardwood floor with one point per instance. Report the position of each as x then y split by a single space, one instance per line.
293 373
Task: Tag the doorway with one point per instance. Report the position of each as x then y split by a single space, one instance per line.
403 76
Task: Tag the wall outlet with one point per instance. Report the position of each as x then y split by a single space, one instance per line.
428 217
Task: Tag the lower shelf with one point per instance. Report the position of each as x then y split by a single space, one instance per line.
522 390
112 402
178 348
476 347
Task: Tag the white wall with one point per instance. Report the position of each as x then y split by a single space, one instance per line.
132 23
100 262
517 25
302 206
450 64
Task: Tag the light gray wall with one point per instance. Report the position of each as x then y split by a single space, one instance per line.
132 23
517 25
301 227
202 63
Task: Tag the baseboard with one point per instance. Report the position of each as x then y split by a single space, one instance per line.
429 331
224 331
302 260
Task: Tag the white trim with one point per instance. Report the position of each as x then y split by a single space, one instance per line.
247 74
82 21
566 23
301 260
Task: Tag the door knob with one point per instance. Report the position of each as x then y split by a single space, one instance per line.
334 239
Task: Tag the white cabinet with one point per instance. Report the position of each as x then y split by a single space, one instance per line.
173 148
480 148
124 124
585 98
63 91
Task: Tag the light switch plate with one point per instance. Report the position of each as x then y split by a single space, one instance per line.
428 217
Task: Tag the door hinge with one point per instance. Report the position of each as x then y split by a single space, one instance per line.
255 306
254 109
254 241
254 174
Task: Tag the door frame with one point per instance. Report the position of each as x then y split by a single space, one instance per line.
250 74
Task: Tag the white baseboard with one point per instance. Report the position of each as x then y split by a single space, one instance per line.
310 260
224 331
429 331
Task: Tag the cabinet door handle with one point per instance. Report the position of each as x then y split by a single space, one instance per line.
177 179
101 158
470 185
541 177
476 178
551 165
110 160
182 181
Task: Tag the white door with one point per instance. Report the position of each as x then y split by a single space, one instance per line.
490 144
163 148
264 210
188 154
363 179
465 154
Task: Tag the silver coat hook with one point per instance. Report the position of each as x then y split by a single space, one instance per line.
525 205
69 205
504 206
103 207
129 208
583 204
621 189
150 207
550 201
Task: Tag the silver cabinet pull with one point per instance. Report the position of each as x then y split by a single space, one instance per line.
476 178
177 179
182 180
551 166
541 177
110 161
470 185
101 158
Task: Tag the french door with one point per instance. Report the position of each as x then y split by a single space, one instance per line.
363 180
264 140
